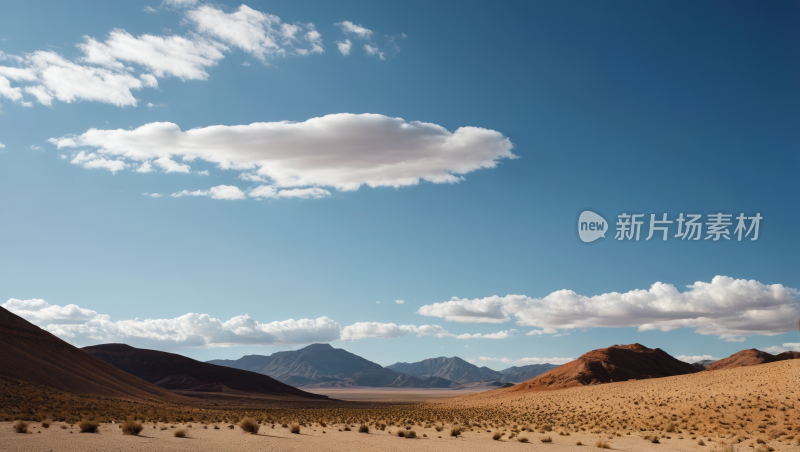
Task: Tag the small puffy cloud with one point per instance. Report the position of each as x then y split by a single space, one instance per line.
343 151
260 34
499 335
726 307
34 147
145 167
399 301
227 192
528 361
363 330
696 358
152 195
179 3
372 50
94 161
171 166
355 30
150 10
344 46
729 338
787 347
2 146
41 312
202 173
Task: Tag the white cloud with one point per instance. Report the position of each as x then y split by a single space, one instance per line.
725 306
2 146
344 47
34 147
179 3
94 161
262 35
153 195
304 193
729 338
373 50
83 327
696 358
177 56
202 173
399 301
343 151
355 30
150 10
40 312
171 166
498 335
227 192
787 347
527 361
145 167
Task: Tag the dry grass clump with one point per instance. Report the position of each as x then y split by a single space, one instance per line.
180 433
88 426
249 425
455 431
364 428
401 433
546 439
411 434
602 444
131 427
46 423
497 436
522 439
295 428
20 427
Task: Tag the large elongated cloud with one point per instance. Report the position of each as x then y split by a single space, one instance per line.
86 327
343 151
725 306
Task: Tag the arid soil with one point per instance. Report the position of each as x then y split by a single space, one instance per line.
368 394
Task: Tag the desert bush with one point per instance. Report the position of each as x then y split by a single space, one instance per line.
295 429
497 436
131 427
602 444
655 440
455 431
20 427
87 426
347 428
522 439
546 439
761 441
411 434
46 423
63 426
364 428
180 433
249 425
323 424
231 426
216 427
401 433
579 443
439 428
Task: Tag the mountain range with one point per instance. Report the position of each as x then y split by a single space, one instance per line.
461 371
323 365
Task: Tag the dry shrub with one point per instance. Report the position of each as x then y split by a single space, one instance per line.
401 433
522 439
546 439
579 443
655 440
456 431
249 425
216 427
411 434
347 428
602 444
20 427
364 428
701 442
87 426
130 427
497 436
439 428
180 433
323 424
46 424
295 429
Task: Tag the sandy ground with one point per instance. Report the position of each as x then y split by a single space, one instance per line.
311 438
368 394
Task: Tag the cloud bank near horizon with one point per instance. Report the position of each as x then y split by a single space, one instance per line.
725 307
83 327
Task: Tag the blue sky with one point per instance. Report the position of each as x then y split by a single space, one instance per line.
657 107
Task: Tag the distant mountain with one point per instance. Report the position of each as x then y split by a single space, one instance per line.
607 365
703 364
518 374
751 357
179 373
321 364
455 369
33 355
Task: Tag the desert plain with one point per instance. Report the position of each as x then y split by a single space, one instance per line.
752 408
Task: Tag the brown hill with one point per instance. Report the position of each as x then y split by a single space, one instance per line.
787 355
33 355
607 365
743 358
179 373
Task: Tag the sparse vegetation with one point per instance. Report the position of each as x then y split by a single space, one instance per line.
20 426
180 433
546 439
411 434
497 436
522 439
295 428
364 428
455 431
131 427
249 425
602 444
88 426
